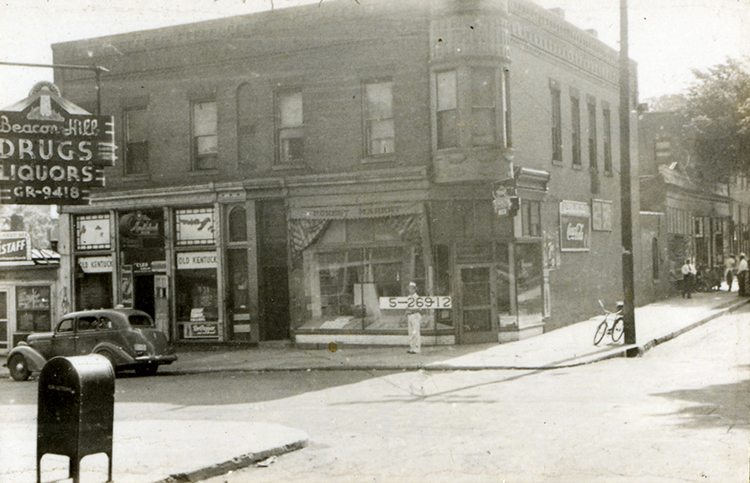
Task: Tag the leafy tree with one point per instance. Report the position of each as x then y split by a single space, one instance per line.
718 118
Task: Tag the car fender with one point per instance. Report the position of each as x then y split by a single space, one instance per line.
33 358
121 357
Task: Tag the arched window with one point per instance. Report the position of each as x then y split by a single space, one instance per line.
237 224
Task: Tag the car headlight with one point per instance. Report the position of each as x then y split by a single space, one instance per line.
140 347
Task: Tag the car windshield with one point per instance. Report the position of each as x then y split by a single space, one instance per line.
137 320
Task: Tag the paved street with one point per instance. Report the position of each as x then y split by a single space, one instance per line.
680 413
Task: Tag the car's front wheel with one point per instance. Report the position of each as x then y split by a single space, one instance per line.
19 368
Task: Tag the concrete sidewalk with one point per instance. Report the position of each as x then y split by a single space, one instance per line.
565 347
177 447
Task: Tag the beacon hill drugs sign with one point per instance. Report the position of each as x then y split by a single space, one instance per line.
52 152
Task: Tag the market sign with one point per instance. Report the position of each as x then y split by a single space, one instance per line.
52 152
14 246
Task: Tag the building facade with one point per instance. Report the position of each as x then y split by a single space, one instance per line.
698 216
282 174
28 287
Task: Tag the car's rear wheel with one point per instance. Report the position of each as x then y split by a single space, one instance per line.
147 369
19 368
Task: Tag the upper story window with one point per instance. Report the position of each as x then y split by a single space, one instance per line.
483 95
205 135
136 141
607 121
447 110
575 121
591 107
557 149
289 130
379 129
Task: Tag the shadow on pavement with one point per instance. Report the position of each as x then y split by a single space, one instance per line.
231 387
722 405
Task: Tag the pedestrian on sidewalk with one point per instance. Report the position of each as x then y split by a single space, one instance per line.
688 279
413 320
729 265
742 275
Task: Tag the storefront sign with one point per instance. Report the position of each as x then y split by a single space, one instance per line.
95 264
92 232
195 227
15 245
352 212
406 302
196 260
201 330
575 226
139 225
51 151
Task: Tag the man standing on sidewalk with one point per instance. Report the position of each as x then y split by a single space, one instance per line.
729 266
414 320
742 275
688 279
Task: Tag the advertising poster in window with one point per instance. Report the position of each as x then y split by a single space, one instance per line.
575 226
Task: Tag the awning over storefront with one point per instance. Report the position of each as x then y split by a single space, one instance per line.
307 224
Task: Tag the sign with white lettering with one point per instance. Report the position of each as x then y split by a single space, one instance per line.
575 226
195 226
351 212
406 302
196 260
92 232
201 330
96 264
15 245
52 151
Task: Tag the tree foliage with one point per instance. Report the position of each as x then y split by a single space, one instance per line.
718 118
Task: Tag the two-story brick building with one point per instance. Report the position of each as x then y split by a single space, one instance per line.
280 172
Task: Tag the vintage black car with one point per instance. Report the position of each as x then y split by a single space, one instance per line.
127 337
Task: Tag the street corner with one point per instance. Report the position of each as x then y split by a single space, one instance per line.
193 450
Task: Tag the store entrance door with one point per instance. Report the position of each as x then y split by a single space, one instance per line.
4 325
143 293
477 312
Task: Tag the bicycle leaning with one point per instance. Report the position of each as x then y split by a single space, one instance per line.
612 324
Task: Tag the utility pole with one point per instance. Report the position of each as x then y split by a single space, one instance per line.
97 69
628 311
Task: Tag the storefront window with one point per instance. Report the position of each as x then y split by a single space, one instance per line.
33 309
197 295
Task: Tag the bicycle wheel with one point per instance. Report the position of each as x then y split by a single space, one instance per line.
617 330
600 331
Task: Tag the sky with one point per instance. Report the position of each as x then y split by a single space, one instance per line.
667 38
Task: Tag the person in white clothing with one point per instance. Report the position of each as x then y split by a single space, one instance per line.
414 320
742 275
688 279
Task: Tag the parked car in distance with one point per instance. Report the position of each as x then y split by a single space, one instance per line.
128 338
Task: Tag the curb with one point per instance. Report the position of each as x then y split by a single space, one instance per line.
234 464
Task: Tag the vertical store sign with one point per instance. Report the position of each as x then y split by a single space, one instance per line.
52 152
